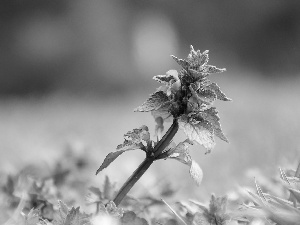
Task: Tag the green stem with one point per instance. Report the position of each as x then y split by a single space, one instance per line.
137 174
297 174
144 166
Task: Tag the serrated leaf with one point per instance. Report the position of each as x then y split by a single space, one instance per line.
196 58
109 159
154 102
70 217
196 172
197 75
211 115
135 137
63 209
133 140
170 77
203 96
212 69
129 145
164 79
216 214
220 95
197 133
181 62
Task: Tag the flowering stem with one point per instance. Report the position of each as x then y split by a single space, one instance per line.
143 167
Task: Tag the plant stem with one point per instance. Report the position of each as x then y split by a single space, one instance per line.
143 167
297 174
137 174
166 139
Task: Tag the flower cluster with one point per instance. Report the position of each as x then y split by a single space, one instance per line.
188 95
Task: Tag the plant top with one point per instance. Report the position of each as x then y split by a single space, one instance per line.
188 95
187 98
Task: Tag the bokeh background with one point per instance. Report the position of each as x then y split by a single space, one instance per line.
72 72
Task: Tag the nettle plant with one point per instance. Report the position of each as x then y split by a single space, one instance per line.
186 98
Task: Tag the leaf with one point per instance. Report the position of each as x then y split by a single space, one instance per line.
164 79
32 218
196 58
218 205
108 189
181 62
196 172
181 153
197 75
70 217
170 77
74 217
200 219
133 140
163 112
212 69
154 102
216 214
109 159
197 132
211 115
63 209
220 95
111 209
130 218
203 96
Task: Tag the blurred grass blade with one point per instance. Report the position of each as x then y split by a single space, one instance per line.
173 211
283 176
260 192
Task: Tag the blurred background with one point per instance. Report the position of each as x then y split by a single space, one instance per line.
72 72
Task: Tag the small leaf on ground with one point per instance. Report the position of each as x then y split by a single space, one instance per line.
70 217
130 218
